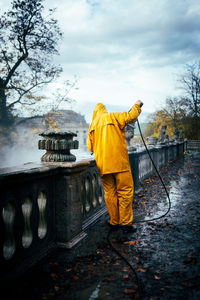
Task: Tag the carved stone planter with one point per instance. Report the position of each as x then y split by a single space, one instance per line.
57 146
152 141
129 134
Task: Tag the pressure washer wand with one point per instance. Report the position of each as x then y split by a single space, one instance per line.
169 201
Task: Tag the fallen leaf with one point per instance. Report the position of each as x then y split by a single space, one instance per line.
53 275
68 270
56 288
184 283
156 277
137 258
141 195
54 263
130 243
87 277
109 279
125 276
125 269
116 264
141 270
90 268
129 291
75 277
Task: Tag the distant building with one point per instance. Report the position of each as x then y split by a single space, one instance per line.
61 120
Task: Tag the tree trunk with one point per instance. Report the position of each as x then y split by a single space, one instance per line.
3 110
196 127
5 118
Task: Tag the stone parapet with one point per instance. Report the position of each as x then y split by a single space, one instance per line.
51 204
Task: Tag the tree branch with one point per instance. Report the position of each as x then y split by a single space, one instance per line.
6 59
26 91
16 65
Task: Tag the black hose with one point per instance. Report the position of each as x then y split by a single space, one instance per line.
139 284
169 201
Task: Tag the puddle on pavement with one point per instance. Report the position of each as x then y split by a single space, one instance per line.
174 188
95 293
90 293
174 195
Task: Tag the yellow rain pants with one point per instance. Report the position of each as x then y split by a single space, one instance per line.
118 189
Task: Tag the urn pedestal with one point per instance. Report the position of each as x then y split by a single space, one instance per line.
58 146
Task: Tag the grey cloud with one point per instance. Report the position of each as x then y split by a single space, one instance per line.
161 32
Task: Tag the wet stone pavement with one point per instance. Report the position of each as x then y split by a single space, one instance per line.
163 253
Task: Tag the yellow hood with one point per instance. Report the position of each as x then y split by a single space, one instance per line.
98 112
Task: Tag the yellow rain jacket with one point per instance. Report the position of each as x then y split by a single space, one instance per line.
106 138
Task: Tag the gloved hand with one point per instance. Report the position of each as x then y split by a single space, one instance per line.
139 102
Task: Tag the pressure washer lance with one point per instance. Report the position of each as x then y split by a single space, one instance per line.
139 284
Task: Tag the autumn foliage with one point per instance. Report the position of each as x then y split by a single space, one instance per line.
181 112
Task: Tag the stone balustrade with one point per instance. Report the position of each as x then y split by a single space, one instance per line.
193 145
50 205
142 166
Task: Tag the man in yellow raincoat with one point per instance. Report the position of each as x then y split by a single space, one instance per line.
106 139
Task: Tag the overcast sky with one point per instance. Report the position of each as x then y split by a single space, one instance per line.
124 50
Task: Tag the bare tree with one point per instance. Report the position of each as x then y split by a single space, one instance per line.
27 43
190 84
174 110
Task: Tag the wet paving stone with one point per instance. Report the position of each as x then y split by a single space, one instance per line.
164 254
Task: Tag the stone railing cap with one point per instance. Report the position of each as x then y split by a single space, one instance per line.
58 134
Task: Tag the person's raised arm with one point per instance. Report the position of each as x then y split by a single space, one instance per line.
129 117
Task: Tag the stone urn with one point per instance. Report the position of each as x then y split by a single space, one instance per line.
57 146
129 134
163 137
152 140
